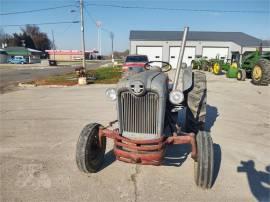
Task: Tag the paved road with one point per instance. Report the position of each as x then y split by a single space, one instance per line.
11 76
40 127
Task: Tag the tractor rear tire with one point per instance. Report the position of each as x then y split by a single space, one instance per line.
196 103
204 164
89 153
241 75
263 79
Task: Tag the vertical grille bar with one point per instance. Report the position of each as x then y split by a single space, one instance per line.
139 114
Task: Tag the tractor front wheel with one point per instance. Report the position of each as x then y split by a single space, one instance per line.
204 164
241 75
90 151
261 73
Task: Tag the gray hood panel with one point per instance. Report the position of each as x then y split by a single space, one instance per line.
152 80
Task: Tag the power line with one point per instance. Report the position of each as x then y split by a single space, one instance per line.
44 23
90 16
94 21
64 30
37 10
67 27
106 30
139 7
178 9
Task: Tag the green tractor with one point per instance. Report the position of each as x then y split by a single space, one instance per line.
232 70
217 65
212 65
200 63
255 65
225 66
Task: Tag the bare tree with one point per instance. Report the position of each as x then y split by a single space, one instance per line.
31 35
40 39
4 37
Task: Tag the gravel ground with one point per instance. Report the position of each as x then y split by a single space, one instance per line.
40 127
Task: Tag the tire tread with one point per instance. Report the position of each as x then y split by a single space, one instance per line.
81 150
205 160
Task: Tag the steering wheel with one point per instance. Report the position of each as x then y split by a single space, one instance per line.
164 66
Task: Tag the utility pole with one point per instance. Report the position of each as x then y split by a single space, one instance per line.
112 36
100 43
53 45
82 34
98 24
24 45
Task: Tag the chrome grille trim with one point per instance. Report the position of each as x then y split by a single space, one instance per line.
139 114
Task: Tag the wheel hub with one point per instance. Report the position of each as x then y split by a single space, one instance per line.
216 68
257 73
239 75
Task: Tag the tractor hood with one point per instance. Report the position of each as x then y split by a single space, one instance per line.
148 81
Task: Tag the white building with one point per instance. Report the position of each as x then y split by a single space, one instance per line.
165 45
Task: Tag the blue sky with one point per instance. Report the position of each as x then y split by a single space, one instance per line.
121 21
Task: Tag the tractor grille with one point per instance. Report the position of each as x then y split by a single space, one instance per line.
139 114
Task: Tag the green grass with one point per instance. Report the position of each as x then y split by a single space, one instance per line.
105 75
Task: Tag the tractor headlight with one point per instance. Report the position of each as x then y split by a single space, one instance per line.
111 94
176 97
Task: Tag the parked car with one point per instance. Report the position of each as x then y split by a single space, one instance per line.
17 60
134 64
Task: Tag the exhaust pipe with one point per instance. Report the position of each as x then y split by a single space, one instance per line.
180 58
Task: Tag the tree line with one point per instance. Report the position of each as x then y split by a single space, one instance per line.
30 37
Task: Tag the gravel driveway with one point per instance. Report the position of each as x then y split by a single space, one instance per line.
40 126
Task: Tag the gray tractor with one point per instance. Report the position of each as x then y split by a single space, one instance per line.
148 105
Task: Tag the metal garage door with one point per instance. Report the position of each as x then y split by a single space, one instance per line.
212 53
189 55
153 53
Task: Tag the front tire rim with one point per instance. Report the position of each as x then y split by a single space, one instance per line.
257 73
239 75
216 68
